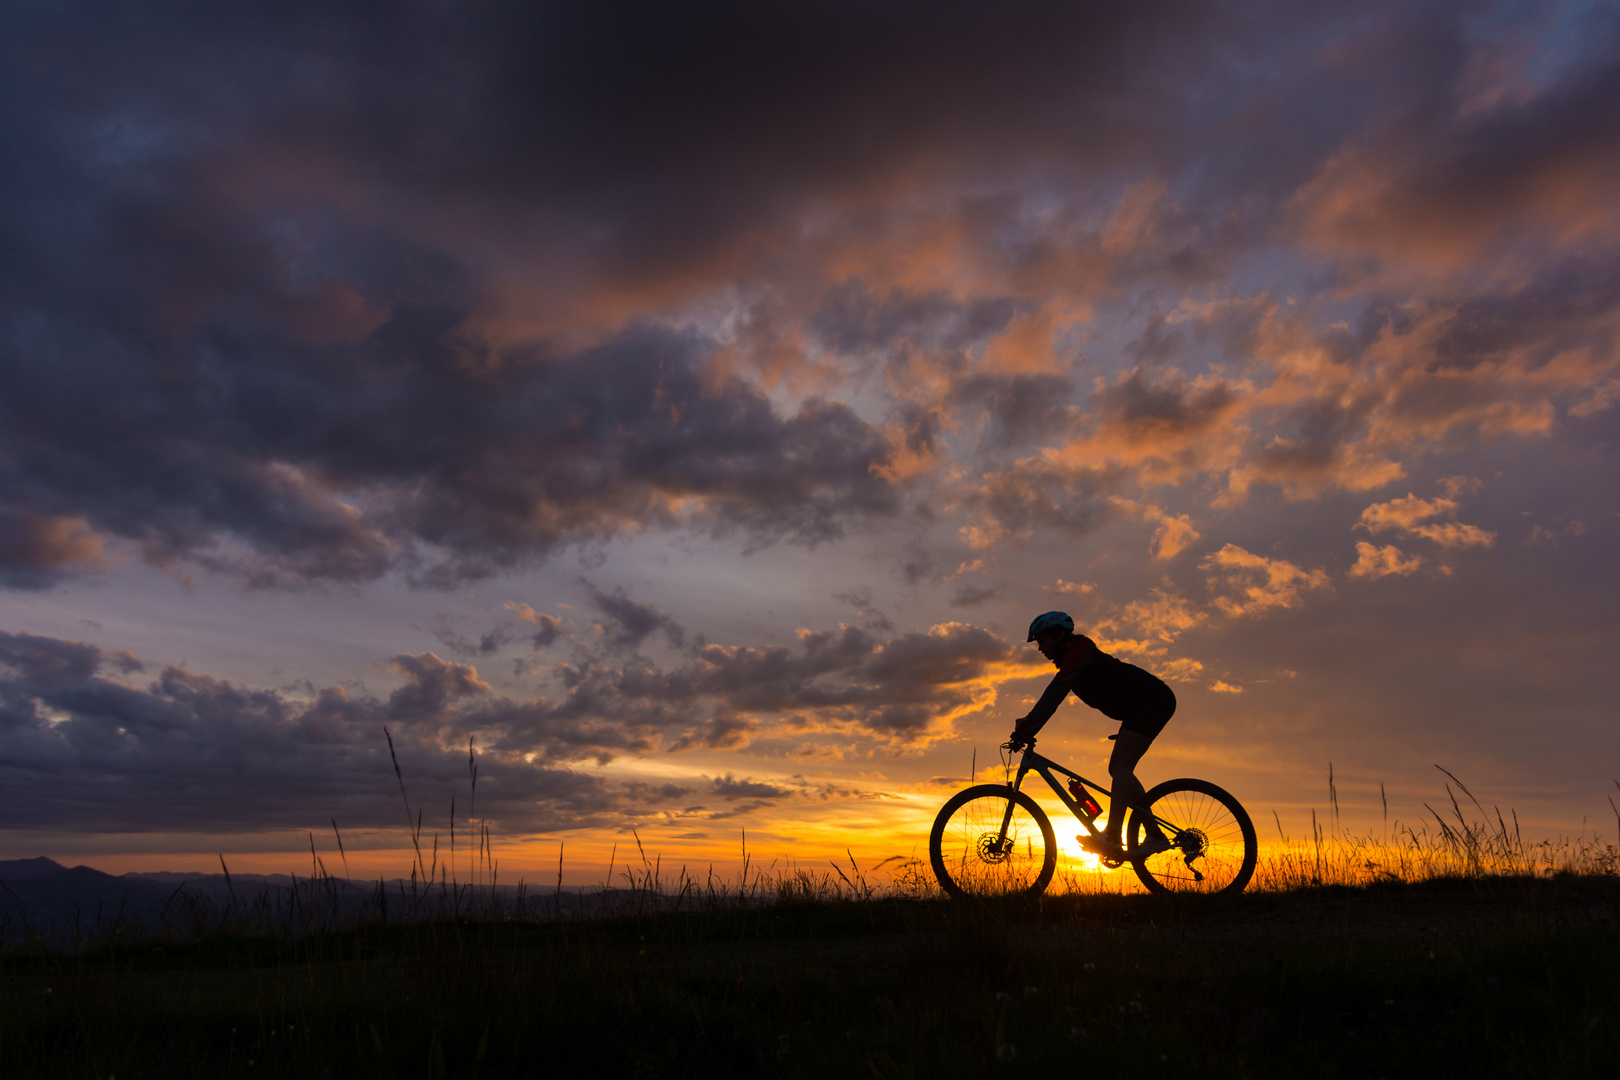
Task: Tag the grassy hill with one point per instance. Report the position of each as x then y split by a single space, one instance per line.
1482 977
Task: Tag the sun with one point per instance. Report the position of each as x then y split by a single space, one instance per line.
1068 832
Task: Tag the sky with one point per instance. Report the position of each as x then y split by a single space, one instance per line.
688 406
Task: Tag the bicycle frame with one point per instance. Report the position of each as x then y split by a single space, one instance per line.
1044 767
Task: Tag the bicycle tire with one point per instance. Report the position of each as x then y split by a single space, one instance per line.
1213 831
967 826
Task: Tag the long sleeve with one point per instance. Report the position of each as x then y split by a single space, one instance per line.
1079 658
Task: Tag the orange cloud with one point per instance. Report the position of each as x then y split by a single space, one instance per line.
1376 562
1409 515
1256 584
53 543
1069 588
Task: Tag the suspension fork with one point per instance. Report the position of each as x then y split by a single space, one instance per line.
1006 818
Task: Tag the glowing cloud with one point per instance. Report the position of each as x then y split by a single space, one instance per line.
1376 562
1256 584
1411 515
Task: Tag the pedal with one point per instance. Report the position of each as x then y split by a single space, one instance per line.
1108 854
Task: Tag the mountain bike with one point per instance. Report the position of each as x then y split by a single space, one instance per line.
1187 836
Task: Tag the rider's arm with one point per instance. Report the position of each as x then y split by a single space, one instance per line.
1075 663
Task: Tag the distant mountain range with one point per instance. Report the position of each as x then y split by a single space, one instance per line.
42 896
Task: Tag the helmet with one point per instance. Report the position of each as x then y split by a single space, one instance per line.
1052 619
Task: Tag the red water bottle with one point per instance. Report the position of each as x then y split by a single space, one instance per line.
1088 805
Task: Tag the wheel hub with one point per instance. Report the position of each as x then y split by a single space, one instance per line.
1193 843
992 850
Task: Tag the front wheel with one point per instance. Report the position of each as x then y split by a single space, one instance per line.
1212 843
971 856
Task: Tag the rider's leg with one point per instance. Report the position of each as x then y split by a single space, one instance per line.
1129 746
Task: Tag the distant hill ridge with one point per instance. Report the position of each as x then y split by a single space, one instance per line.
43 895
28 869
36 869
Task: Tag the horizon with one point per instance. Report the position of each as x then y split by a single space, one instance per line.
685 412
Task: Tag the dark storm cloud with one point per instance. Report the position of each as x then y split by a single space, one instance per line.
190 753
899 688
214 351
249 254
630 623
315 292
82 746
343 465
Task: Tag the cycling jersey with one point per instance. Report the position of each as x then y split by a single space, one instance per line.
1138 699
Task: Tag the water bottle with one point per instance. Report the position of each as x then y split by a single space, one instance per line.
1088 805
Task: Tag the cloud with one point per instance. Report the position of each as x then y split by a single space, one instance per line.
1033 493
972 595
435 470
432 684
541 278
1175 532
187 752
1161 407
1017 409
36 549
1152 625
1410 516
1180 669
728 788
547 627
1255 584
903 690
1375 562
629 623
488 644
1451 186
1173 536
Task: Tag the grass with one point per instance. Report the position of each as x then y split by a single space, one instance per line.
1492 976
1460 840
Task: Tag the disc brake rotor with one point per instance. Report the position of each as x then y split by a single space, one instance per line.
992 852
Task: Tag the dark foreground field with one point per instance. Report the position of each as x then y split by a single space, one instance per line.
1482 978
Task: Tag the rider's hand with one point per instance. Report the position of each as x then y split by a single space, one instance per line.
1017 741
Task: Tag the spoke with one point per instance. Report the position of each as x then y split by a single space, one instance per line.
980 859
1196 817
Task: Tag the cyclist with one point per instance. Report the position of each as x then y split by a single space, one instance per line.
1139 700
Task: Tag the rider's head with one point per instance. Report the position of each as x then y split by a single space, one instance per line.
1050 631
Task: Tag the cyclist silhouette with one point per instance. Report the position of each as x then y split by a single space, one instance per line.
1138 699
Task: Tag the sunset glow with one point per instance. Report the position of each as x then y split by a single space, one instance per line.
685 414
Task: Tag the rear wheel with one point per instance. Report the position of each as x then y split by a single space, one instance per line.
1212 843
971 859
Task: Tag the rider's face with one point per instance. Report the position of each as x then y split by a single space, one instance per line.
1048 642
